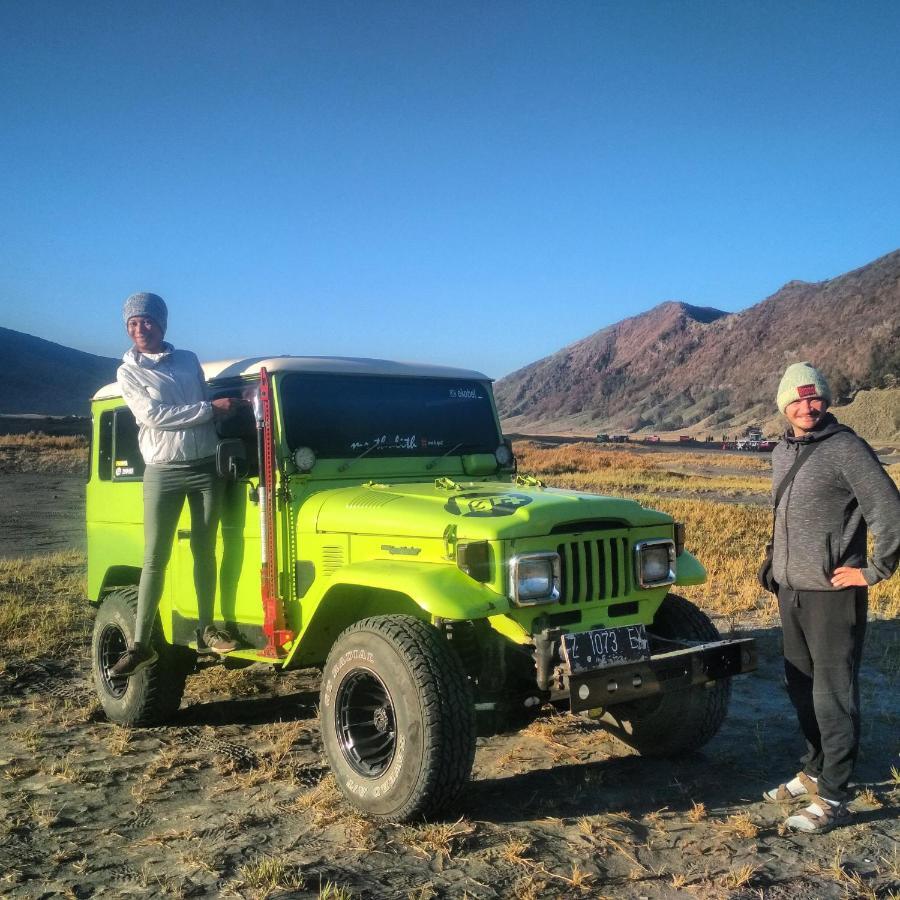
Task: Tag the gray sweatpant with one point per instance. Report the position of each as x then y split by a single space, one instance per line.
824 633
165 490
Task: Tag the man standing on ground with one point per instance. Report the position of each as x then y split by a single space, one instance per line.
822 573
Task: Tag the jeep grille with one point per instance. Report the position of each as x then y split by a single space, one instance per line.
594 570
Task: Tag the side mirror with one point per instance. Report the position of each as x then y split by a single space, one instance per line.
231 459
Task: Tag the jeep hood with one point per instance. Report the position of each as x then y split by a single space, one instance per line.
481 510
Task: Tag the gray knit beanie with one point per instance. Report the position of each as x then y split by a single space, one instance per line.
800 381
150 305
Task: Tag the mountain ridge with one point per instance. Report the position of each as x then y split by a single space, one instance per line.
42 377
671 368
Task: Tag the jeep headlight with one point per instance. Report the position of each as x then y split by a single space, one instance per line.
534 578
654 562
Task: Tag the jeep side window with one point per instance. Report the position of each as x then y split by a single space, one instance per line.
128 464
104 447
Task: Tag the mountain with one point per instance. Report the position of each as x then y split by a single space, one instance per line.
679 366
38 376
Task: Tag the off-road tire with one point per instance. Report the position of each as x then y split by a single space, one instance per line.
679 722
153 694
411 750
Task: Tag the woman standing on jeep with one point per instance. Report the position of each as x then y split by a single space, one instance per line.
166 391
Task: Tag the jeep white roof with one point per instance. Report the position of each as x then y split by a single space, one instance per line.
330 365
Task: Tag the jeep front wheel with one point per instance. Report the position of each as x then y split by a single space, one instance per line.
397 718
679 722
151 695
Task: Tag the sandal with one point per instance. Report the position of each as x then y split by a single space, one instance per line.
820 816
782 792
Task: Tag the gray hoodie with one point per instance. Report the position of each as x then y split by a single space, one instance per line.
167 394
821 521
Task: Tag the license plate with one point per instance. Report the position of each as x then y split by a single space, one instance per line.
604 647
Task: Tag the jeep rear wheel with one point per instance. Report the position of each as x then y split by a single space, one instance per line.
149 696
679 722
397 718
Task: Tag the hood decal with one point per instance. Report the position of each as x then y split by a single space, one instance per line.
486 504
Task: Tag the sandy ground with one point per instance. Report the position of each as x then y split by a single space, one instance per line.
233 798
40 513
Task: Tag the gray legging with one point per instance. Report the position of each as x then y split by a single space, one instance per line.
165 489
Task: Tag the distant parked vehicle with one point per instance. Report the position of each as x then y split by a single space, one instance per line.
651 439
754 445
619 438
602 439
684 438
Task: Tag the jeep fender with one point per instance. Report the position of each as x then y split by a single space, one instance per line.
379 587
689 569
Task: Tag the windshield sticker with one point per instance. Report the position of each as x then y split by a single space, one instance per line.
481 505
364 445
398 442
464 394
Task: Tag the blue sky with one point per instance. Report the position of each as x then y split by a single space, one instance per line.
470 183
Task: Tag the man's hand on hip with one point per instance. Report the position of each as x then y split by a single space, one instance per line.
847 576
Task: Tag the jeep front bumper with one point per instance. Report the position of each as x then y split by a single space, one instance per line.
684 667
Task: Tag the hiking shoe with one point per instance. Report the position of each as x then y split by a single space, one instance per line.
214 640
133 660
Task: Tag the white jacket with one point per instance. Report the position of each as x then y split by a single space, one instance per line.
167 394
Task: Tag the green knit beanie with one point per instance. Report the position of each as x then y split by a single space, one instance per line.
801 381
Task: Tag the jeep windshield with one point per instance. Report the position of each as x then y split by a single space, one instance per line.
347 415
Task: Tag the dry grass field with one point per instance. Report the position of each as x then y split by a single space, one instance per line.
37 452
233 798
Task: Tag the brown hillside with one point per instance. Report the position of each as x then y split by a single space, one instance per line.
875 415
679 366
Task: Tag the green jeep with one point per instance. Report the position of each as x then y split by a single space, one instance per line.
374 526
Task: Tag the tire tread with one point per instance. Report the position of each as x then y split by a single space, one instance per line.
447 709
164 681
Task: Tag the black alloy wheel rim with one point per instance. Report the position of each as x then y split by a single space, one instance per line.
366 723
111 646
